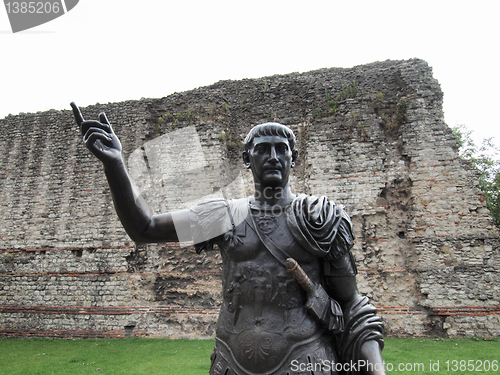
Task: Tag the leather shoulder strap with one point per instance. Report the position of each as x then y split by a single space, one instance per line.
279 254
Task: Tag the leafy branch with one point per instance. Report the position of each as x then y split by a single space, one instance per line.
485 158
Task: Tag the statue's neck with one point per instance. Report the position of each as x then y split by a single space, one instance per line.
273 196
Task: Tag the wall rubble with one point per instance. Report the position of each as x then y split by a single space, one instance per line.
371 137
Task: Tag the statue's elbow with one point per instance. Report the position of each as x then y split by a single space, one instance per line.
139 237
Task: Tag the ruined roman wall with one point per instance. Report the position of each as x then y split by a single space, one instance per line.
371 137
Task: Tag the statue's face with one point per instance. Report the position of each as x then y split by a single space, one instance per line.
271 160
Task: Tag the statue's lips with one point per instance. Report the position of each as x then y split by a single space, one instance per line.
272 170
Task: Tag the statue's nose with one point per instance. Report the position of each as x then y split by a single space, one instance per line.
273 156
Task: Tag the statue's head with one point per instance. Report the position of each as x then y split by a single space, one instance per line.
270 128
270 152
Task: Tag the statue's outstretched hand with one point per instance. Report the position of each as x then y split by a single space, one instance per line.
99 137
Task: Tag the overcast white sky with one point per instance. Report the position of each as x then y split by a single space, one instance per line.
114 50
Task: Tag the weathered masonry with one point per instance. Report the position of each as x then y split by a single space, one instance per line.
371 137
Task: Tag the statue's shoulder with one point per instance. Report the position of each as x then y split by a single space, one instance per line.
212 205
239 203
320 225
310 196
215 216
314 202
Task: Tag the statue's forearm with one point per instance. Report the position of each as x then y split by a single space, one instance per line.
372 357
133 211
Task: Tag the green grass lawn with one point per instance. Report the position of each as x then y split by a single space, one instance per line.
442 356
185 357
110 356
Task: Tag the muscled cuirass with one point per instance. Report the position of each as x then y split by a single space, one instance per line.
263 315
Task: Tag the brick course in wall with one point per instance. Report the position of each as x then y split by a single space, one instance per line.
370 137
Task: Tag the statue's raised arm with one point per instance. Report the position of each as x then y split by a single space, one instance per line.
134 213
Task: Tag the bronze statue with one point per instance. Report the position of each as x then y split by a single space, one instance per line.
290 301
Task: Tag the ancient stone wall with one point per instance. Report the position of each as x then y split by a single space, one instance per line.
371 137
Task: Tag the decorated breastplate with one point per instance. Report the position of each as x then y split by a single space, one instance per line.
263 313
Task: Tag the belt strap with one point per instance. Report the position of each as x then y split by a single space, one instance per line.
279 254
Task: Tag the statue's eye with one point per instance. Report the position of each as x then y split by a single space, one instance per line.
282 148
260 148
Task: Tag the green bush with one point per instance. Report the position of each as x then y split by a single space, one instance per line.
485 159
